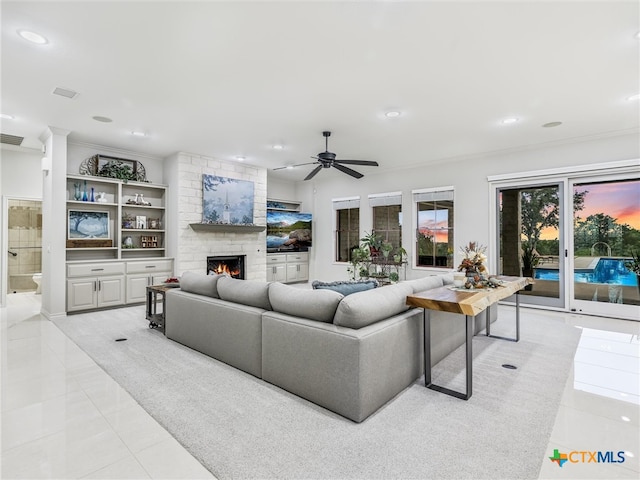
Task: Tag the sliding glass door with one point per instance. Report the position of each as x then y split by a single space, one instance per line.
576 237
531 240
606 235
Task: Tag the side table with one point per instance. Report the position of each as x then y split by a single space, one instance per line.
156 320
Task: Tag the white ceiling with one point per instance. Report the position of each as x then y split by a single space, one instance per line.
224 79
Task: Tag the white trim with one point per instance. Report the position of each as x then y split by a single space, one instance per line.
578 170
432 189
388 194
344 199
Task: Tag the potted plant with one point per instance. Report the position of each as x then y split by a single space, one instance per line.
633 265
373 241
359 255
530 260
400 255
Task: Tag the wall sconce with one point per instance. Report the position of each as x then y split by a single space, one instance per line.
46 165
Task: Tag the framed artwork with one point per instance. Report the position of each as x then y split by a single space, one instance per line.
227 200
87 225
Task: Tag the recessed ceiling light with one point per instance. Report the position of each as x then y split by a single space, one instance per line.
634 97
240 158
552 124
138 134
289 167
33 37
6 116
628 454
98 118
277 146
638 35
392 114
509 121
625 419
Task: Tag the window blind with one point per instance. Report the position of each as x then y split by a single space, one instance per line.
385 199
345 203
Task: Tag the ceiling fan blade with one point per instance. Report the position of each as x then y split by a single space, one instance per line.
348 171
313 172
370 163
294 166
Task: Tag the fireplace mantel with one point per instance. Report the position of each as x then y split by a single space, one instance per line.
226 227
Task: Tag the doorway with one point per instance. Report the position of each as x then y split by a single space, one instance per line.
576 237
24 245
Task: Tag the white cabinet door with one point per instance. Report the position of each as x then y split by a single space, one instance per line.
137 285
137 288
81 294
110 291
276 273
297 272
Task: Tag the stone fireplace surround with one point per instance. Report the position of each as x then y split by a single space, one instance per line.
194 247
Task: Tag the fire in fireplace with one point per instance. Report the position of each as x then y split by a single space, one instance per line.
232 265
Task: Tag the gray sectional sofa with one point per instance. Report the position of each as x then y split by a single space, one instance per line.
350 354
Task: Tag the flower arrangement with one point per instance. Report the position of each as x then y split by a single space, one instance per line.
474 258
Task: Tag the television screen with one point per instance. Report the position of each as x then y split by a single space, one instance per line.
288 231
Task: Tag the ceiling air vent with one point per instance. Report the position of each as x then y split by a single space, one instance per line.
10 139
63 92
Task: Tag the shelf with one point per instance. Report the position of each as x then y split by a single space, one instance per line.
141 249
85 249
225 227
98 204
133 205
142 230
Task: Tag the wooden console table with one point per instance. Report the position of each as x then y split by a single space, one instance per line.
468 303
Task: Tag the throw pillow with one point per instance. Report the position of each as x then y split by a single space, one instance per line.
364 308
246 292
345 288
317 305
200 283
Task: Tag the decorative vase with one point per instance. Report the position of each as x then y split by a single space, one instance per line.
84 192
93 198
76 193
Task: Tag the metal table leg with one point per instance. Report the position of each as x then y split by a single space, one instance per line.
488 322
469 358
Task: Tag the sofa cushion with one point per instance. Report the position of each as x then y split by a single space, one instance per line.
246 292
345 287
317 305
425 283
364 308
200 283
447 278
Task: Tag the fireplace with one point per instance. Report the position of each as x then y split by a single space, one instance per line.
232 265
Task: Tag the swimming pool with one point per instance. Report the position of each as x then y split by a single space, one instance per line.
607 270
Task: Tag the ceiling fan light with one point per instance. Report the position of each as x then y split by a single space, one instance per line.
392 114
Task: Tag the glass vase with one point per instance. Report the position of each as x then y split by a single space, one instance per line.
76 192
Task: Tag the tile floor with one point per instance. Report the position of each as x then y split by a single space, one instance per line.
63 417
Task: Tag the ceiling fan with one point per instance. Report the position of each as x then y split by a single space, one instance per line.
328 159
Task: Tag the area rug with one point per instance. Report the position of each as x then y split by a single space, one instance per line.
239 426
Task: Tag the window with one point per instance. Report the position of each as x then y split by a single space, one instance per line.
434 227
347 227
387 217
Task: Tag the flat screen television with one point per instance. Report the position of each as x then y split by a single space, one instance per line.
288 231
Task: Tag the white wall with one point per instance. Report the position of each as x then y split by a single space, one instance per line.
20 173
467 176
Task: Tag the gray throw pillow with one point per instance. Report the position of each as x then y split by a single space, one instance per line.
317 305
344 287
364 308
200 283
245 292
425 283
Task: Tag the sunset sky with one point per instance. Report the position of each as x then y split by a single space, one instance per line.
619 200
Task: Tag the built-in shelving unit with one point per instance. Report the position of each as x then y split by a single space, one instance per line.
114 267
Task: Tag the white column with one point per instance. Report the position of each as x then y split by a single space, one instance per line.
54 222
